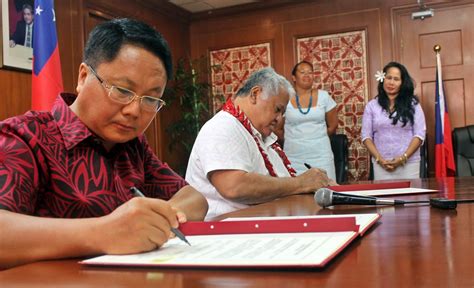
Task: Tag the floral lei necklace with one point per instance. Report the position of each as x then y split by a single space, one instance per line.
230 108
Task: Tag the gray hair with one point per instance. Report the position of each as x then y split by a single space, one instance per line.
270 82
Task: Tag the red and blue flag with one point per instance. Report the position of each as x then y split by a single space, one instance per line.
444 156
47 80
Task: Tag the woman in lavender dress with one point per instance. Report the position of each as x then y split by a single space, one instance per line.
393 126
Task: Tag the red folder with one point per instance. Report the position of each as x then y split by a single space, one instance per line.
270 226
275 243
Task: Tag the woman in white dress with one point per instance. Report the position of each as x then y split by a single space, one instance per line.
311 116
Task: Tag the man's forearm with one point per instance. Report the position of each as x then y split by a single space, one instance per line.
29 238
253 188
191 202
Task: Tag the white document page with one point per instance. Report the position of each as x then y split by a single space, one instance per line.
287 249
389 192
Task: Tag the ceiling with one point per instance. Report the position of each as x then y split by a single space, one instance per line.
196 6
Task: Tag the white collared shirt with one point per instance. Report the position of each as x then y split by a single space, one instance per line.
224 144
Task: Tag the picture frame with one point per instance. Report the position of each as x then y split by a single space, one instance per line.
17 56
231 66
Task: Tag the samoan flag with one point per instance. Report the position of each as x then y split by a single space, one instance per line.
444 156
47 78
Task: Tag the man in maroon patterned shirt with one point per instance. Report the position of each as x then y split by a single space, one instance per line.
81 159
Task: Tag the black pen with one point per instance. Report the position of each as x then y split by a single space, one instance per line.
179 234
309 167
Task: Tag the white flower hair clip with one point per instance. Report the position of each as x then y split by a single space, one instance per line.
380 76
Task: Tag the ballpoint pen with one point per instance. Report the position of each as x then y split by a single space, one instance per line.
309 167
179 234
343 194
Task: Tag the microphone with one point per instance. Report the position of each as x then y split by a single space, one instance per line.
326 197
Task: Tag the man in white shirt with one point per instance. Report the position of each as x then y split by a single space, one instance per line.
235 161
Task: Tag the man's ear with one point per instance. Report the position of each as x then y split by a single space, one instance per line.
81 78
254 94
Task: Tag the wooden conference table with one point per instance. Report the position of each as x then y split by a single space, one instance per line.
412 246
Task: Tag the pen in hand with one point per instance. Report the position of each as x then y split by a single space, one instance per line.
309 167
179 234
322 170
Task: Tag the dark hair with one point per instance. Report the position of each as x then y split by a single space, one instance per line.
106 40
293 72
404 103
27 6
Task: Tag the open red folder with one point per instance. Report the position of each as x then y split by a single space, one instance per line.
267 225
271 242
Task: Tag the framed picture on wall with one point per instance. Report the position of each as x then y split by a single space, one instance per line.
230 67
17 33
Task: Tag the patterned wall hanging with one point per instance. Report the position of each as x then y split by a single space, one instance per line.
340 67
231 67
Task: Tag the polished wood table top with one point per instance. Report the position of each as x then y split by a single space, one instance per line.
411 246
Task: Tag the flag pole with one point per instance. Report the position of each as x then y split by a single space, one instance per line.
444 156
440 89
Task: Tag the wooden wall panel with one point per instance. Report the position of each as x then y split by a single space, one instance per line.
15 92
452 48
70 40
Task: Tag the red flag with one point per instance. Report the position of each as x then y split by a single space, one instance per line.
444 155
47 78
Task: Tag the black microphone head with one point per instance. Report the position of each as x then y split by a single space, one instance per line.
323 197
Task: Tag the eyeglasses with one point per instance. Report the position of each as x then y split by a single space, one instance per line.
125 96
